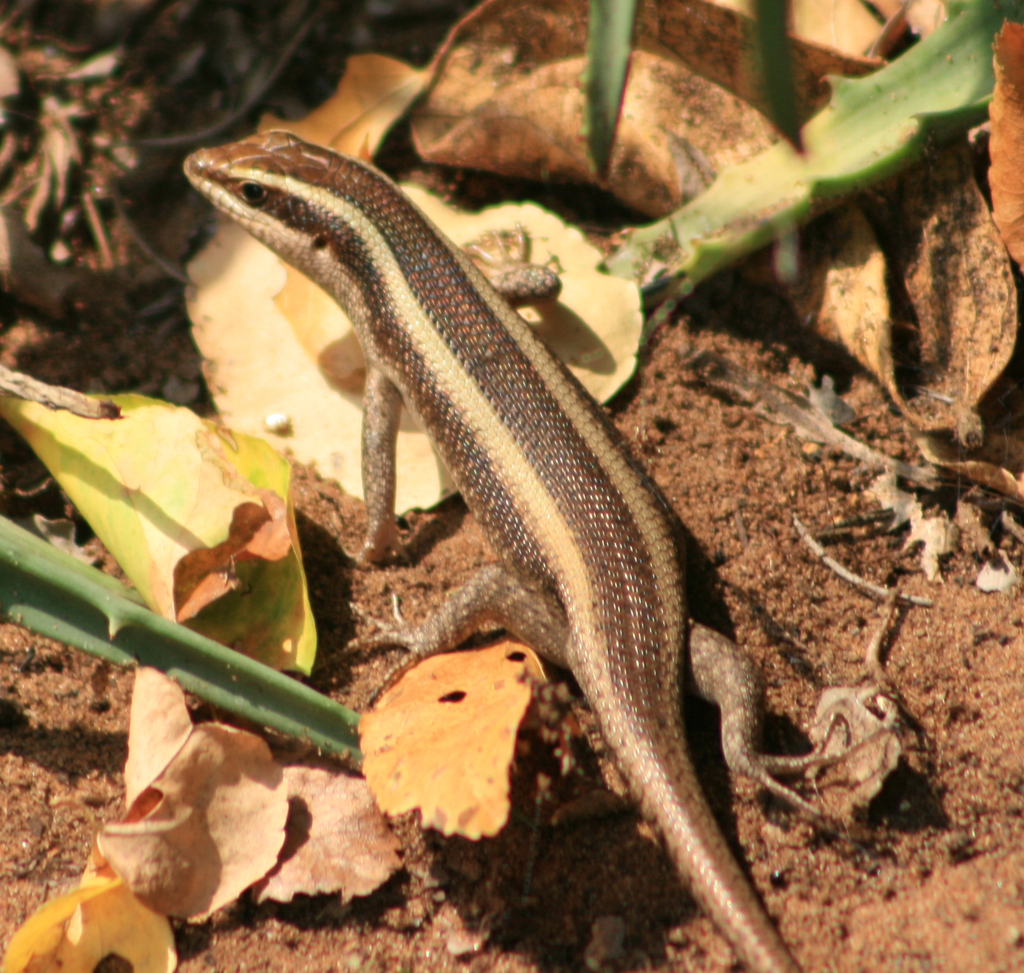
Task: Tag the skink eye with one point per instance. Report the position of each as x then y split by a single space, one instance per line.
253 193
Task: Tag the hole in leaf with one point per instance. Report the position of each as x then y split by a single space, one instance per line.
455 696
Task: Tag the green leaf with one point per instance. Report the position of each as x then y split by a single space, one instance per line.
609 42
873 127
53 594
777 68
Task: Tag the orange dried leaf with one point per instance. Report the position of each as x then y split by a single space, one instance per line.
210 825
73 933
442 738
1006 146
337 838
257 532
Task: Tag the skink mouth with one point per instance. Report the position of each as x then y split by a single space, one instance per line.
197 167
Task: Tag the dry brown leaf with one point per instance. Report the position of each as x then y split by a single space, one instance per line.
941 241
507 97
209 825
442 738
337 838
158 727
257 532
844 291
1006 144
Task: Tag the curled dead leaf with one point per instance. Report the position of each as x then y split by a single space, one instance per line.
257 532
210 823
158 726
942 243
686 110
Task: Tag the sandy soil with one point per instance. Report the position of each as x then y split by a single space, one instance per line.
932 877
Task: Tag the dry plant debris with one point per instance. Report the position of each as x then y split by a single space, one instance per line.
442 739
868 750
963 359
210 812
337 838
1006 143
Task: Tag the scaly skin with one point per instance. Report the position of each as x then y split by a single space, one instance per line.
590 570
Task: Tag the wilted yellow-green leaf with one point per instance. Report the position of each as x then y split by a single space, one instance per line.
199 518
73 933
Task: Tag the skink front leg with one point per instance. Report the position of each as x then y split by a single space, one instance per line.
382 410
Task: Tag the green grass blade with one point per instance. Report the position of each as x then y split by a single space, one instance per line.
609 41
873 127
51 593
777 68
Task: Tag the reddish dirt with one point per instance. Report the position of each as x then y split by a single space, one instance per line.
931 878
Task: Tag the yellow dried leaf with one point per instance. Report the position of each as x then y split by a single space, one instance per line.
73 933
245 316
442 739
844 292
372 95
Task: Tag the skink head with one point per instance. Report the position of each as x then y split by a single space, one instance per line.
301 200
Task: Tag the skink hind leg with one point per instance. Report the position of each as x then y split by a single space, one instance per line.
724 675
492 599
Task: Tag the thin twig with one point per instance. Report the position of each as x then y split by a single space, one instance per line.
98 230
873 652
172 270
847 575
741 530
55 396
172 141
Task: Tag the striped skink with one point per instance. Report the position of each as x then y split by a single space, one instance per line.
590 570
